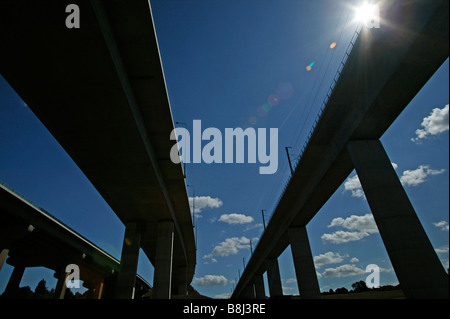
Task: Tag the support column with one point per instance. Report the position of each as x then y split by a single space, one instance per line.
308 286
14 280
98 290
249 292
274 278
3 255
415 262
180 281
61 285
129 261
162 278
260 292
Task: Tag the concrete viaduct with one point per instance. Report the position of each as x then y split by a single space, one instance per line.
385 70
31 237
100 91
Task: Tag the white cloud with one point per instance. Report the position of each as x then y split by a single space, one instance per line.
343 271
360 226
364 223
354 185
327 258
340 237
419 175
234 219
435 124
202 202
291 281
225 295
354 260
254 226
443 225
230 246
211 280
442 250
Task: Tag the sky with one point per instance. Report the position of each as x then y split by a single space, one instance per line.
247 64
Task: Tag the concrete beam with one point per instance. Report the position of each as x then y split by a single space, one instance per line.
308 286
274 278
162 281
129 261
415 262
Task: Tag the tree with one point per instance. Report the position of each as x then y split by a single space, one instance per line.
341 290
359 286
41 291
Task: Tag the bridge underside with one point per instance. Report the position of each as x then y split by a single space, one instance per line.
100 91
385 70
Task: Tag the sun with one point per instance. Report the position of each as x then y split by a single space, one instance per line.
367 13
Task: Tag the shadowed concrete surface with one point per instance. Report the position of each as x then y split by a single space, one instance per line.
101 93
34 238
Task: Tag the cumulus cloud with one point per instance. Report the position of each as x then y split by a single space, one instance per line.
202 202
443 225
340 237
343 271
434 124
327 258
354 185
358 226
230 246
364 223
210 280
235 219
419 175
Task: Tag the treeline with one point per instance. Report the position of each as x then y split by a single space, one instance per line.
41 292
360 286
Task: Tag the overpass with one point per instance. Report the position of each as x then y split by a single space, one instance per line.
385 69
31 237
100 91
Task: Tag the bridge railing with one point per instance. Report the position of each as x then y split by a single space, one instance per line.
322 107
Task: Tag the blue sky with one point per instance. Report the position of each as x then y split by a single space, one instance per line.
223 62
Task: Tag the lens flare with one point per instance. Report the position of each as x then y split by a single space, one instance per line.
273 100
285 91
333 45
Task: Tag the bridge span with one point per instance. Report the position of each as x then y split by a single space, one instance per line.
100 91
386 68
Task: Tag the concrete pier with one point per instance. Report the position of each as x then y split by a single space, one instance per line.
162 281
414 259
274 278
129 261
308 286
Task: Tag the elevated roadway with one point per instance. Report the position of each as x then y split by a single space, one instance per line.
385 70
34 238
100 91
